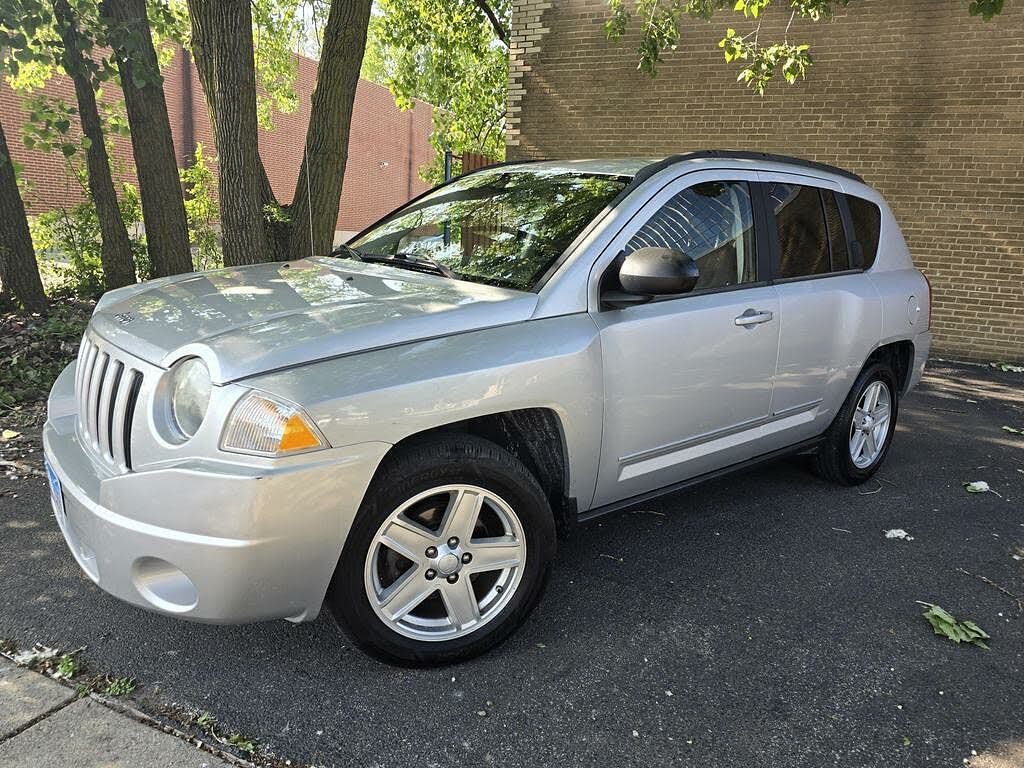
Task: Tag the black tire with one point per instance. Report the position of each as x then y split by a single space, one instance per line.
833 461
416 468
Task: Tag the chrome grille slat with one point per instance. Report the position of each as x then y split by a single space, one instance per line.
93 402
106 387
119 417
104 425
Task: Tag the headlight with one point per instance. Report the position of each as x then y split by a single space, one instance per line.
267 426
189 395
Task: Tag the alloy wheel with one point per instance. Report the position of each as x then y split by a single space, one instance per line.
445 562
871 423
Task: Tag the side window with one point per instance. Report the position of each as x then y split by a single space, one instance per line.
713 223
867 222
836 232
803 234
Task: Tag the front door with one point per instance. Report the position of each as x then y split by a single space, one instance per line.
688 379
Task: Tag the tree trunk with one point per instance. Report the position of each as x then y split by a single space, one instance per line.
223 49
19 275
318 190
163 206
116 249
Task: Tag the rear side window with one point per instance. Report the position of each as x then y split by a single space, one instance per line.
836 233
803 234
867 222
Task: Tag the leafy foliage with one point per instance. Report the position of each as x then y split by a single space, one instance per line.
202 211
447 53
67 243
945 624
120 686
34 349
661 28
277 26
67 667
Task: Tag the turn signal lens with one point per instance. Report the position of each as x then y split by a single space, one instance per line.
298 436
266 426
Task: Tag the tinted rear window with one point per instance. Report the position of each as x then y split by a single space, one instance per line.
803 235
867 221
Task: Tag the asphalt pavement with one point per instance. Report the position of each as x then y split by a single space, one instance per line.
758 620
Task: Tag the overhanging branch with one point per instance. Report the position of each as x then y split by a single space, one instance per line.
492 17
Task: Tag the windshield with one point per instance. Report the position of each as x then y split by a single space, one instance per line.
503 227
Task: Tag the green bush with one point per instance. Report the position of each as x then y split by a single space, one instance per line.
68 245
202 211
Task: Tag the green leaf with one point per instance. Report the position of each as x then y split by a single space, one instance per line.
945 624
68 149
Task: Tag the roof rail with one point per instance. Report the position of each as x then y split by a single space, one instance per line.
729 154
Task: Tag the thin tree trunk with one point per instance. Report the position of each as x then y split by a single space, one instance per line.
223 50
116 249
19 274
318 190
276 232
163 206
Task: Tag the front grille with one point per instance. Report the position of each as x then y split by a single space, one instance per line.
106 389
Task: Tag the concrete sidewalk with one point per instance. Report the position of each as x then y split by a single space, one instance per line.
44 725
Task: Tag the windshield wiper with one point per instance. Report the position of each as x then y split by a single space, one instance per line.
346 251
404 260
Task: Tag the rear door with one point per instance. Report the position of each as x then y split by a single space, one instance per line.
830 310
688 379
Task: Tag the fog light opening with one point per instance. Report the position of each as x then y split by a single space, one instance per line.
164 585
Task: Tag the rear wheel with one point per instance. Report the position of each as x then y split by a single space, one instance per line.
860 436
448 554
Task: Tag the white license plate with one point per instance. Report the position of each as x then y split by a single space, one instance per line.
56 495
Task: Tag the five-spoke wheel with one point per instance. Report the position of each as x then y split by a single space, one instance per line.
860 435
870 424
445 562
448 554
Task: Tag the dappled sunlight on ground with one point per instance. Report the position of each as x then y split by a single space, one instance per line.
1007 754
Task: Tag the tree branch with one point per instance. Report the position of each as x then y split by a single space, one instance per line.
499 30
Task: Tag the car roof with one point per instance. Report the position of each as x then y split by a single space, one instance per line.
641 168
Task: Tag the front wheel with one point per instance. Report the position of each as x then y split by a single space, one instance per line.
448 554
858 440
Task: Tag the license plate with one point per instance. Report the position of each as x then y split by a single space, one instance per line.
56 495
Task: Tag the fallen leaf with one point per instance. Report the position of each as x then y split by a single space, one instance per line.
945 624
1014 430
9 434
1007 367
978 486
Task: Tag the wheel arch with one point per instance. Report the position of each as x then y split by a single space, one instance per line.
898 355
535 436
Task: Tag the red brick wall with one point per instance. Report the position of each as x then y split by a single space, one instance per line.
924 101
387 147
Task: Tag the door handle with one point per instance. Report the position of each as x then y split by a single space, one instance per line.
752 317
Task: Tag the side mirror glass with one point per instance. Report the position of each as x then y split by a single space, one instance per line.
650 272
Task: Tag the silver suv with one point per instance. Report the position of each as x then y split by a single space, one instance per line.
405 428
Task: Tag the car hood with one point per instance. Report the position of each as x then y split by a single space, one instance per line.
249 320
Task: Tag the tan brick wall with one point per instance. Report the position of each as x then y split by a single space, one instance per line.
387 147
923 101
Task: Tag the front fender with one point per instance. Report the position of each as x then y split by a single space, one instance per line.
390 394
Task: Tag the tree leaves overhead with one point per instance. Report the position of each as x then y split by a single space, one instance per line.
447 53
660 29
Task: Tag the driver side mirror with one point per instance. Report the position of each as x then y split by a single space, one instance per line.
650 272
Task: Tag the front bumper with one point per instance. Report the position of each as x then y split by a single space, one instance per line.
214 540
